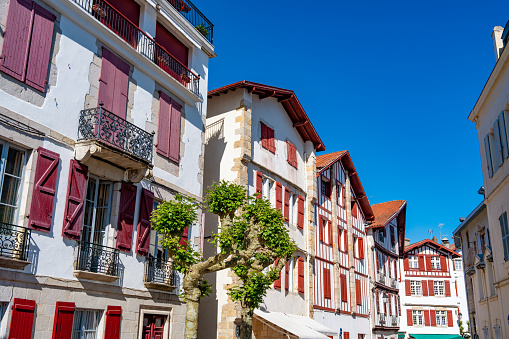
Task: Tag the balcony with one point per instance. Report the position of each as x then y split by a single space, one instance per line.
381 319
159 275
381 278
96 262
394 321
108 137
189 11
14 245
394 283
103 12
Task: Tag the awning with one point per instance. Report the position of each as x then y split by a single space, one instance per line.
436 336
300 326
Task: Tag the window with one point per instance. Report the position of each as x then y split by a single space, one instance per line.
3 309
487 153
326 188
267 188
267 138
458 266
97 211
413 261
12 163
505 234
85 324
153 325
435 263
291 154
417 316
415 287
381 235
438 288
291 208
291 272
441 318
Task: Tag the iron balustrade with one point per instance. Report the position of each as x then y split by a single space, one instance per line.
97 258
394 283
99 123
381 318
14 241
139 40
394 320
160 271
381 278
189 11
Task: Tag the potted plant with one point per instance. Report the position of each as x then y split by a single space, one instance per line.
204 30
101 12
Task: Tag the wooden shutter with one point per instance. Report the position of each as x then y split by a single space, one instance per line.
320 229
16 42
40 48
422 266
409 320
279 196
456 287
354 208
428 263
300 209
22 319
300 283
287 204
433 318
503 135
126 216
408 290
271 142
443 263
426 318
377 301
143 231
175 118
424 288
163 125
185 237
259 183
431 288
360 244
344 288
487 150
287 275
346 335
277 283
358 292
113 83
76 190
62 325
390 304
289 153
43 194
447 285
450 322
265 141
326 283
343 193
329 230
498 145
345 236
113 318
169 42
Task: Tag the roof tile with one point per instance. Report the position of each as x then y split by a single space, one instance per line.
385 211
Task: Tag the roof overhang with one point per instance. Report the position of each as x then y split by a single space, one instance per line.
432 243
300 326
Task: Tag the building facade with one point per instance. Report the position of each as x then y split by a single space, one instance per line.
386 234
341 297
102 108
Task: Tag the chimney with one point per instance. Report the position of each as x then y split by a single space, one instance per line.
407 242
434 239
498 44
445 242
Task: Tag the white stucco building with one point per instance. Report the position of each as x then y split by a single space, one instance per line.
102 108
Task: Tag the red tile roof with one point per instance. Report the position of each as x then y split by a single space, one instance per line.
431 242
324 160
287 99
385 212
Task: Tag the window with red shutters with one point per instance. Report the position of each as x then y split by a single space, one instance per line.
272 143
277 283
424 288
171 44
433 317
143 231
62 325
355 253
287 275
431 289
360 244
291 154
345 239
447 285
344 288
27 43
113 318
358 292
354 209
326 283
279 196
168 129
43 194
73 216
267 138
409 320
300 212
329 232
175 121
408 290
428 263
287 204
443 263
320 229
426 318
259 184
300 282
126 216
22 319
113 83
185 237
406 264
450 322
422 266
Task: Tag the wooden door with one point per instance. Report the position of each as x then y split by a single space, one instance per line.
153 326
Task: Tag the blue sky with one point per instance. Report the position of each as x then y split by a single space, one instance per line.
391 81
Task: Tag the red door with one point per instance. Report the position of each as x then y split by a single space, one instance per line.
153 326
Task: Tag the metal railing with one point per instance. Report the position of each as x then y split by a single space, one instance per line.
160 271
194 16
215 129
139 40
97 259
98 123
394 320
14 241
394 282
381 318
381 278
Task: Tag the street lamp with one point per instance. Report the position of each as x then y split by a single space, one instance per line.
385 297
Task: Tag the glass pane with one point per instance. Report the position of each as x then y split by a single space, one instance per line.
14 162
91 189
7 214
10 190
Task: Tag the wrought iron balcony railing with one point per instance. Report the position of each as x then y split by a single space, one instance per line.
381 318
194 16
394 283
394 320
160 271
98 123
139 40
381 278
14 241
97 259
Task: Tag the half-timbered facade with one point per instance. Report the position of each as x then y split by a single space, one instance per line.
430 301
341 295
102 106
386 234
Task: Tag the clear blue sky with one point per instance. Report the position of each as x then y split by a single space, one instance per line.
391 81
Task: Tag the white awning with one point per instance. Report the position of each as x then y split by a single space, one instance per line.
302 327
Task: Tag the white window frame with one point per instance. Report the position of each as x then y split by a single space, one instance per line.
415 288
82 332
439 288
417 317
291 272
107 228
441 318
3 162
435 262
458 265
413 261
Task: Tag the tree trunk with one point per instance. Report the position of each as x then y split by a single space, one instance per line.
191 330
246 325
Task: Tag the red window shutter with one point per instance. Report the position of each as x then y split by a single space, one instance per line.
271 142
62 325
259 183
326 283
409 320
443 263
447 285
76 190
358 292
428 263
113 83
289 154
456 287
300 217
126 216
113 318
426 318
300 283
287 204
16 42
185 237
360 244
279 196
343 193
277 283
329 229
424 288
354 208
175 118
433 318
143 232
171 44
345 235
40 48
163 125
287 275
264 137
450 322
399 306
22 319
346 335
431 288
422 267
408 290
320 229
43 194
344 288
377 301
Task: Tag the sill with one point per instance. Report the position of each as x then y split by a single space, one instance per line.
94 276
159 286
493 298
13 263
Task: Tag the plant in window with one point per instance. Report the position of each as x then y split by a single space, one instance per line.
204 30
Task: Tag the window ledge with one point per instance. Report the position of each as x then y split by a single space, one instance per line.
94 276
159 286
13 263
